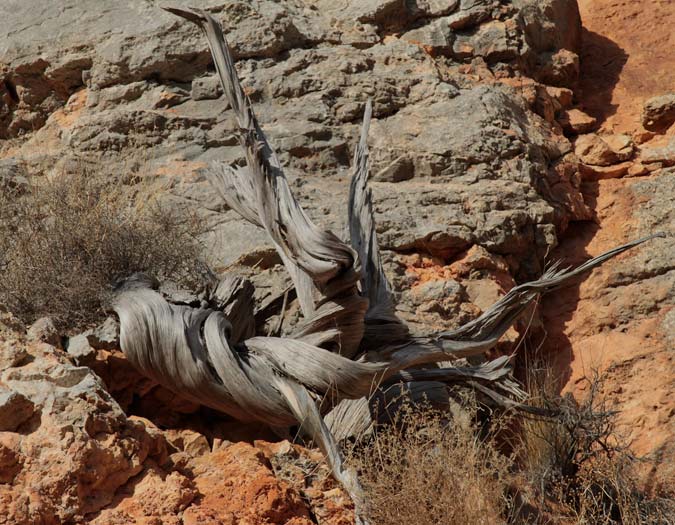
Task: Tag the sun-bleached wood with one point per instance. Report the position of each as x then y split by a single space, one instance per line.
350 350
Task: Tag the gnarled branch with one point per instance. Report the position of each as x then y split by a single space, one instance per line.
351 351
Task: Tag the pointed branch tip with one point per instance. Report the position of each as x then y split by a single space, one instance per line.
190 13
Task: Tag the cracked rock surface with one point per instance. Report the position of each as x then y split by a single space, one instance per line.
483 170
465 146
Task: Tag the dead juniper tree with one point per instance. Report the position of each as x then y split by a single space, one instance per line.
351 354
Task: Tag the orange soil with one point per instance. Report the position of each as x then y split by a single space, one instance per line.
627 57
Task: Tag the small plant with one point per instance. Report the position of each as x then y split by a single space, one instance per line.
555 447
429 469
578 463
64 242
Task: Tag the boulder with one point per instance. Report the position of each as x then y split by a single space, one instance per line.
663 155
106 336
80 350
596 150
658 113
44 330
83 460
80 450
576 122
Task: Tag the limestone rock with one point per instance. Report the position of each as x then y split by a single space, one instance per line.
44 330
206 88
10 458
189 441
595 150
14 410
105 336
79 348
559 68
614 171
395 14
637 169
437 7
621 145
309 70
80 450
575 121
662 155
495 41
260 497
658 113
151 497
552 39
436 37
11 354
84 461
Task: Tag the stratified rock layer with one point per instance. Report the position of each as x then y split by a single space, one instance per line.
459 156
474 184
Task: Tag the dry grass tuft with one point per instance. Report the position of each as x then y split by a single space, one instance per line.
578 464
64 242
605 492
428 470
570 468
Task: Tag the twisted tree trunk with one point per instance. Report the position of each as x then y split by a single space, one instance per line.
350 351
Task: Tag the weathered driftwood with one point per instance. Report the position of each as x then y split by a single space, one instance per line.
336 373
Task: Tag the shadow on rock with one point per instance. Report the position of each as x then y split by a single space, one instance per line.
601 63
558 308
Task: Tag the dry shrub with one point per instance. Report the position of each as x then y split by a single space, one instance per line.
606 492
555 447
428 470
64 242
579 465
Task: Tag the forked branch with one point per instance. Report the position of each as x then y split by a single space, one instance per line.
350 350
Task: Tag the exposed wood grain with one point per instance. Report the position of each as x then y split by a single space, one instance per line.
351 357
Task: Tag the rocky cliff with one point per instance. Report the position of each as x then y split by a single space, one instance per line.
483 171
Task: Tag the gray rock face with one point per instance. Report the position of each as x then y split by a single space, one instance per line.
106 336
43 330
80 350
655 263
206 88
459 158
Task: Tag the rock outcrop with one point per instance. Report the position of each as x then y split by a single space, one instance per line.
619 321
475 186
460 157
70 454
658 113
